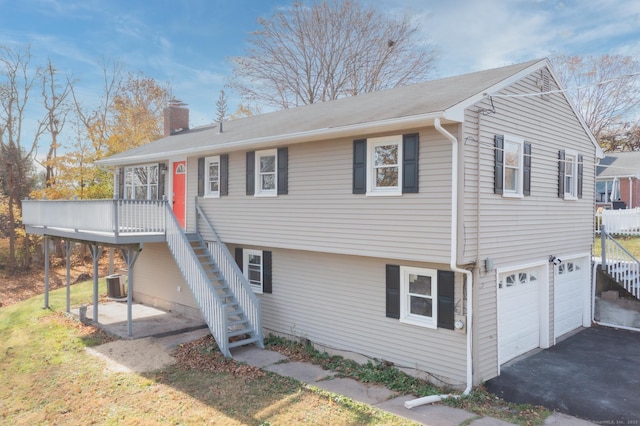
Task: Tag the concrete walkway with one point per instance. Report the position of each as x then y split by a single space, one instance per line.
170 330
376 396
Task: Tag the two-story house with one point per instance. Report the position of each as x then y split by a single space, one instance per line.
445 227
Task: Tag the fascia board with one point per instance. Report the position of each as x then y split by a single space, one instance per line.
395 124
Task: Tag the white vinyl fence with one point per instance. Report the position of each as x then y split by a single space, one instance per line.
619 222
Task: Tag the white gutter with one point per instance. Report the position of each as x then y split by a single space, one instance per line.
386 125
454 267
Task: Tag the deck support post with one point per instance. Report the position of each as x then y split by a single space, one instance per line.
67 249
96 252
130 255
45 241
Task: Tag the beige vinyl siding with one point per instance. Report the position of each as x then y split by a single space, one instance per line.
157 282
320 213
339 302
516 231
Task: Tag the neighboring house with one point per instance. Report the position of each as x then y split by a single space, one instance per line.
445 227
618 180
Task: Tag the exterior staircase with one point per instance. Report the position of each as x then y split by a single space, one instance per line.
239 331
224 296
620 265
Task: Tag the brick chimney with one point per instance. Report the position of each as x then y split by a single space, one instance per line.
176 117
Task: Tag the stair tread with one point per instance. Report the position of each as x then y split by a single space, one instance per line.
242 342
239 332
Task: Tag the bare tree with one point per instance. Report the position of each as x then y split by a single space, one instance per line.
56 103
327 50
605 90
17 78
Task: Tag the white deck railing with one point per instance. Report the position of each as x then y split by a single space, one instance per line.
236 280
620 264
619 222
194 274
110 216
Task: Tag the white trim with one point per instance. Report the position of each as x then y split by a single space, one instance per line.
245 268
389 125
405 314
372 143
519 191
259 192
207 192
572 194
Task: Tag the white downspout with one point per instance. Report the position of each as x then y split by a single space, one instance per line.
454 267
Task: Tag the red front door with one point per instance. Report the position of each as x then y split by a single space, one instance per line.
179 191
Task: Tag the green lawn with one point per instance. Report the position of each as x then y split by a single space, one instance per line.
48 378
632 244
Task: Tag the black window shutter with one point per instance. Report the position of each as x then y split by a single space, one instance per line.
498 169
121 183
224 174
580 174
446 303
267 280
393 291
283 171
239 258
526 184
360 166
561 173
162 171
200 176
410 147
251 168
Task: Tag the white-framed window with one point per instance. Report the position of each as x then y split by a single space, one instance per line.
212 176
253 267
513 166
571 175
267 173
418 296
384 172
141 182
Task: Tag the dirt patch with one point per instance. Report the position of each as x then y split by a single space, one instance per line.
133 356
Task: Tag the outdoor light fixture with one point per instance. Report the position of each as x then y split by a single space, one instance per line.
555 260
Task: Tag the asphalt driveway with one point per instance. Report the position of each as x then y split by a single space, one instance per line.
594 375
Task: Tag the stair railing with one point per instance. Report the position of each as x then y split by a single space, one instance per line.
194 274
620 264
235 278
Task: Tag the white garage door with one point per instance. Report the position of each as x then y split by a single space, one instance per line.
518 312
571 283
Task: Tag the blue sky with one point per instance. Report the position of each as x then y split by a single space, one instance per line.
188 42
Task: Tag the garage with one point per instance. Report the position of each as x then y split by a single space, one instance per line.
519 311
571 284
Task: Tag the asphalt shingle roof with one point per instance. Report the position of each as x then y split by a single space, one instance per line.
418 99
619 164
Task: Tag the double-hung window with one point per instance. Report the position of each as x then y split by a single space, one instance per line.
512 166
384 175
253 269
418 296
212 177
141 182
570 176
266 173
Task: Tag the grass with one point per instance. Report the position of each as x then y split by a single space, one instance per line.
632 244
48 378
